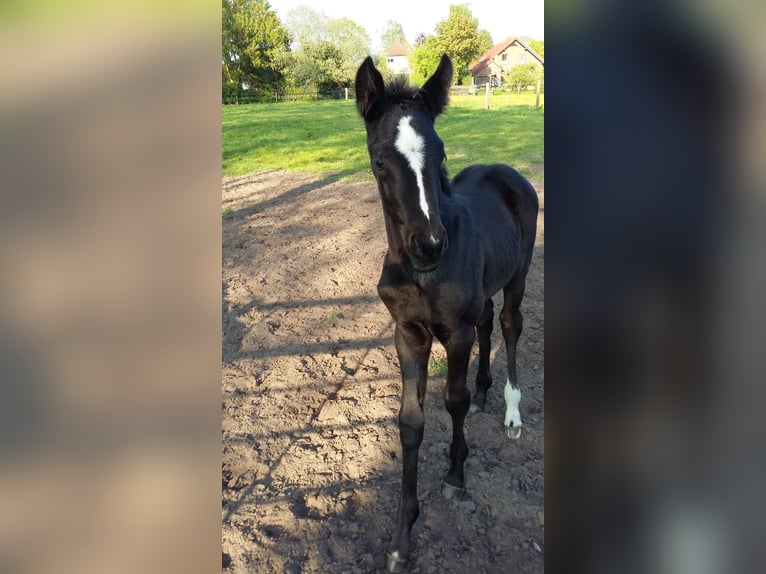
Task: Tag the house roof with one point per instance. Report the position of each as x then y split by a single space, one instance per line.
396 49
486 58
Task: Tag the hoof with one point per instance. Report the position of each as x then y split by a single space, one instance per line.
512 432
475 409
394 563
449 491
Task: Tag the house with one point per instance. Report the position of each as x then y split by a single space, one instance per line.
396 57
495 63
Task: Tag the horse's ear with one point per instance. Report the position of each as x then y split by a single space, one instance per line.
435 92
369 90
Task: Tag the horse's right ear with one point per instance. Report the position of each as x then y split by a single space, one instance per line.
369 90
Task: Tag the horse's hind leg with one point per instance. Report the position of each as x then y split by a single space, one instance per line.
483 376
511 321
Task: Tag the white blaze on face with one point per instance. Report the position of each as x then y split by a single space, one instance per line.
411 145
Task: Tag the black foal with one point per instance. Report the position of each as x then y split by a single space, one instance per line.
451 247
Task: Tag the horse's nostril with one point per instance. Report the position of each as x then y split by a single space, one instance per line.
439 243
427 247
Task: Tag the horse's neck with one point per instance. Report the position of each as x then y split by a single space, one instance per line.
394 236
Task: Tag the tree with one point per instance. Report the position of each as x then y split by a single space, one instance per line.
326 52
393 32
458 37
524 75
353 45
485 42
306 26
424 59
538 46
253 40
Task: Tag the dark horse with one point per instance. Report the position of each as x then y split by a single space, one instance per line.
451 247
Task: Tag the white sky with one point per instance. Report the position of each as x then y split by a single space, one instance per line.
501 18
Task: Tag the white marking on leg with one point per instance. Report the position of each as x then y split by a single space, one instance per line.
411 145
512 400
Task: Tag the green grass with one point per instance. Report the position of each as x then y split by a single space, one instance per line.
437 366
327 137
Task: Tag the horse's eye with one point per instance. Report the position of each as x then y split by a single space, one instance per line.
378 164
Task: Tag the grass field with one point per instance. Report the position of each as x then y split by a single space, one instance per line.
328 137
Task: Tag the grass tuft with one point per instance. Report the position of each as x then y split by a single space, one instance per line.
437 366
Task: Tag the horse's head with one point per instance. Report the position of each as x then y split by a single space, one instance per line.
406 156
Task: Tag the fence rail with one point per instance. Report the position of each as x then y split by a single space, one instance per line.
479 89
263 96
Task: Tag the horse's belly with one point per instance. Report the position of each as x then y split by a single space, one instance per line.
500 268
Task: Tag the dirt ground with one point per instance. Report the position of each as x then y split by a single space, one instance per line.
310 395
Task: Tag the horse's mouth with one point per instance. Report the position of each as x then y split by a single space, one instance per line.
425 268
426 260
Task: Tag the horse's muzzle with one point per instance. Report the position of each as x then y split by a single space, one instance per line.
426 250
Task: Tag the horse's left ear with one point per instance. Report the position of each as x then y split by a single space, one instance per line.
435 92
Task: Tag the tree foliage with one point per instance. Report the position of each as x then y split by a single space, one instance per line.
393 32
485 42
524 75
424 59
306 25
459 37
538 46
326 52
253 44
317 53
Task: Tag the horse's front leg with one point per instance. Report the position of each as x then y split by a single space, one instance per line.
457 399
413 346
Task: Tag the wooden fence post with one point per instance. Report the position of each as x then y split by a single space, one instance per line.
486 96
537 97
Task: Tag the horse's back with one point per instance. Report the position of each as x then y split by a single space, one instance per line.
514 189
481 186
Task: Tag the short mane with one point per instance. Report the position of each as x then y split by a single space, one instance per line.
400 92
446 185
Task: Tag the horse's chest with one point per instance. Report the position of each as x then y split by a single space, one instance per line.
442 305
406 303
